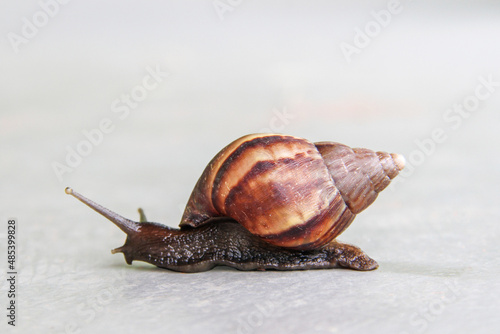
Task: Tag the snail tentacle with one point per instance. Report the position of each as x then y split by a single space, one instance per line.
142 216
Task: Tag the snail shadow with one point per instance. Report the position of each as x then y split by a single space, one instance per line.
139 266
417 269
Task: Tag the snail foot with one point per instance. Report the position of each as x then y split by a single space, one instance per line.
352 257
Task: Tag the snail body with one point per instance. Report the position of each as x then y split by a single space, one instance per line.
266 201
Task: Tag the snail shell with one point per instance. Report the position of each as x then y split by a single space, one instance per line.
288 191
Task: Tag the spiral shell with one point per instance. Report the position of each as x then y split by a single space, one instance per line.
289 191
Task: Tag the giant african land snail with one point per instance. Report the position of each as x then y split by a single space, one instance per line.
266 201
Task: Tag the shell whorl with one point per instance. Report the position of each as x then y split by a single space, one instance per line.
281 188
359 174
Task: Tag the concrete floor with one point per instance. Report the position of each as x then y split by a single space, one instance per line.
434 232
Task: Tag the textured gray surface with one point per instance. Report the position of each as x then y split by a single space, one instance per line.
434 233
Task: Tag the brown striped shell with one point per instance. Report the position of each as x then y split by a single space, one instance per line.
289 191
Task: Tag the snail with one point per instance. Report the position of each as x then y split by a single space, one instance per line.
266 201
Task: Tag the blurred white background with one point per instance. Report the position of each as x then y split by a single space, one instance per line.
385 75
